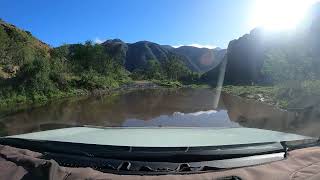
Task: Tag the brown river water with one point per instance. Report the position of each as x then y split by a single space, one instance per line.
159 108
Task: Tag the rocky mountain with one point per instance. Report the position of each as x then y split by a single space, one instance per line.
136 55
140 52
245 58
117 48
202 59
265 57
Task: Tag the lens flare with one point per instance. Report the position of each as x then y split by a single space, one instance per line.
278 15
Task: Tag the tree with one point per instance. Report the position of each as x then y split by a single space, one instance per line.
288 63
34 77
174 68
154 70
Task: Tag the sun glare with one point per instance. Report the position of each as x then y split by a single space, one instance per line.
278 15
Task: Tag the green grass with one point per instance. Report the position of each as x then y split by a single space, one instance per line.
285 96
178 84
18 102
266 94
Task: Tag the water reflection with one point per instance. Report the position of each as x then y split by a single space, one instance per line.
116 110
209 118
161 108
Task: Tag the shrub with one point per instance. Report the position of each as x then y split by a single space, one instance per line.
93 80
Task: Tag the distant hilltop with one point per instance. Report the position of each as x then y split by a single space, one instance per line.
135 55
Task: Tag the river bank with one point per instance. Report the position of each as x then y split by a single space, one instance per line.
284 98
9 105
264 94
20 103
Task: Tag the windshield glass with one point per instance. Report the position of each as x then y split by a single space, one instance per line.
215 65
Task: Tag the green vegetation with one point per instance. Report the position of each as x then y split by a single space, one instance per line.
265 94
33 73
285 96
68 71
291 76
283 65
171 73
293 68
19 47
167 83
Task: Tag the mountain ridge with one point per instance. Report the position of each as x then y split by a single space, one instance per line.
132 55
136 55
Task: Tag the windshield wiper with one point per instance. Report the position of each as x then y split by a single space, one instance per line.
150 154
152 160
157 168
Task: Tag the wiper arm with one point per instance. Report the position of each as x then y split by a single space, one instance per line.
299 144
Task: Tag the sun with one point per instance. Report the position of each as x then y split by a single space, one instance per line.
279 15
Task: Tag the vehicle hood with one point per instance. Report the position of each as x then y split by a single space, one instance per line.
161 137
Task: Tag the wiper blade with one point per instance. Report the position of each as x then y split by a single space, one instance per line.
150 154
142 160
157 168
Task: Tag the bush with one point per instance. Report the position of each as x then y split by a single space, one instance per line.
138 74
93 80
296 94
34 77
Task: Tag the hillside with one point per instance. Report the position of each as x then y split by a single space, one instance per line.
201 59
136 55
18 47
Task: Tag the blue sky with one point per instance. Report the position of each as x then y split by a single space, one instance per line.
172 22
